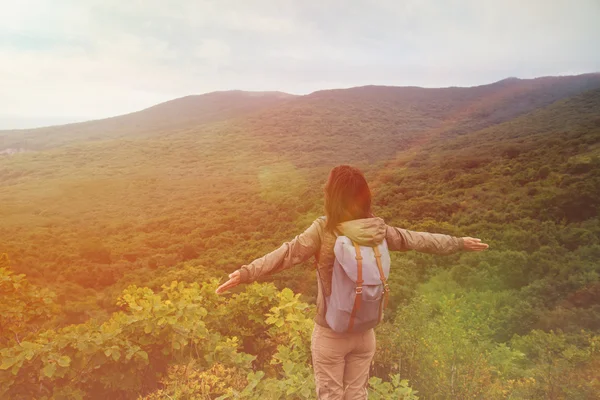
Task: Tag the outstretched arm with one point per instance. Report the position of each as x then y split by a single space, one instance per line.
436 243
300 249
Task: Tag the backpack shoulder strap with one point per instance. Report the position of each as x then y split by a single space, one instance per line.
386 287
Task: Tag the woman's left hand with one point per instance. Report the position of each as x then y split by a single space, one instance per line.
473 244
234 280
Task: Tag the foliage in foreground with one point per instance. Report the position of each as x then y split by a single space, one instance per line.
188 343
183 341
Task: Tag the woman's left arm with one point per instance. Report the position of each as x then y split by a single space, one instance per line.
399 239
296 251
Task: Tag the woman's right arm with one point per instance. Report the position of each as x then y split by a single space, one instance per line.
399 239
296 251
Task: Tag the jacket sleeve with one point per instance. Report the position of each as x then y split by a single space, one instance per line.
298 250
435 243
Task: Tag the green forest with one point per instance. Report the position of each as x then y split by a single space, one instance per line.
112 246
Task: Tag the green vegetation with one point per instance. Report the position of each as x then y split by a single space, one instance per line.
121 240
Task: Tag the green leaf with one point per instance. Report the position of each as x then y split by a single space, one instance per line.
143 355
49 370
290 390
28 345
7 363
288 366
287 294
64 361
305 392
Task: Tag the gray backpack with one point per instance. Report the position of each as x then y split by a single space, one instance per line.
359 289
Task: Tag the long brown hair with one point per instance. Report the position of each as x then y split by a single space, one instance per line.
347 196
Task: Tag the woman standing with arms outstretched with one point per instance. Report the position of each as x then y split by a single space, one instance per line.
341 361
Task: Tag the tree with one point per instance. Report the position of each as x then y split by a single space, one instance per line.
24 308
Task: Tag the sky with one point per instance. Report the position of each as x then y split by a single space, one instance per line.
63 61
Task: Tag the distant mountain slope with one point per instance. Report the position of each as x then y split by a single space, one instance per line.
393 118
183 113
373 122
514 97
555 149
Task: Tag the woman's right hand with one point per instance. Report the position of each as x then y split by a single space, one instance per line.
473 244
234 280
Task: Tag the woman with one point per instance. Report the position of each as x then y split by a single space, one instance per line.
341 361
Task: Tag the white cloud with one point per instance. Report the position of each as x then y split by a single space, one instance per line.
214 52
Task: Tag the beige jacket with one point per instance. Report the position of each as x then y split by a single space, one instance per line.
316 241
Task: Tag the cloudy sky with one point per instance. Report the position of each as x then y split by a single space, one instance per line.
68 60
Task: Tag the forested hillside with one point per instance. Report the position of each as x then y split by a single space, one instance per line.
179 114
127 232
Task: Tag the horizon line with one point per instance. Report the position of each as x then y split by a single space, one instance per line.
83 119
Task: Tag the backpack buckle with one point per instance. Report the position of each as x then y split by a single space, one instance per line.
386 288
359 290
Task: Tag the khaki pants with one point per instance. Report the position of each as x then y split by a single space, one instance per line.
341 363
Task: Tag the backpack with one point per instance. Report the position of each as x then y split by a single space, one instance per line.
359 289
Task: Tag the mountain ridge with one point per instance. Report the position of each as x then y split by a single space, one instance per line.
284 95
399 117
253 94
171 115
